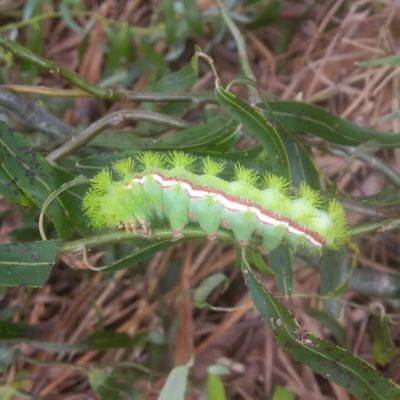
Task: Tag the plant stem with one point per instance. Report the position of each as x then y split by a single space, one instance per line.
32 116
371 160
382 226
86 87
113 119
156 97
200 97
56 69
119 236
196 233
242 51
138 31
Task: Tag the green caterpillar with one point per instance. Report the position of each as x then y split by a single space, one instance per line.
164 189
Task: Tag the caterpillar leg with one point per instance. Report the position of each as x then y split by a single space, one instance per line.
225 224
207 212
128 227
176 235
272 236
242 224
145 227
212 236
176 204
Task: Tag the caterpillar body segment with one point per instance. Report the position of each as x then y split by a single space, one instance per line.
164 190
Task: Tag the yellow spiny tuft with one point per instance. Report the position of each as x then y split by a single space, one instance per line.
151 161
212 167
272 181
91 205
312 196
124 167
246 175
337 214
102 181
180 160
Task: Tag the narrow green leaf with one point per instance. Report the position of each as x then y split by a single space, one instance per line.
257 126
120 48
331 323
7 354
113 384
308 119
280 262
215 388
34 39
27 264
65 186
215 131
7 392
10 190
383 348
302 167
335 270
333 362
192 14
281 393
387 197
175 386
210 134
38 179
15 330
139 255
205 288
175 81
167 7
269 14
106 339
256 259
65 12
379 62
182 79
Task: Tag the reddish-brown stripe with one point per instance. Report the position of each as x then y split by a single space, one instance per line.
251 203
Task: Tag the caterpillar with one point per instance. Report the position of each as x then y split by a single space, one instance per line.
163 189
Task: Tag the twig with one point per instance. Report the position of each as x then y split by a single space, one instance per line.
242 51
197 233
156 97
201 97
119 236
113 119
138 31
56 69
32 116
369 159
381 226
375 283
97 91
359 208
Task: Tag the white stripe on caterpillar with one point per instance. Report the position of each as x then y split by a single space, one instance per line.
230 205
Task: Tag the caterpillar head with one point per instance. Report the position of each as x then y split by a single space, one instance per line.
91 205
331 224
102 181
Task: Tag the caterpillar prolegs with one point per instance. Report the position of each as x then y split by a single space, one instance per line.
163 189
